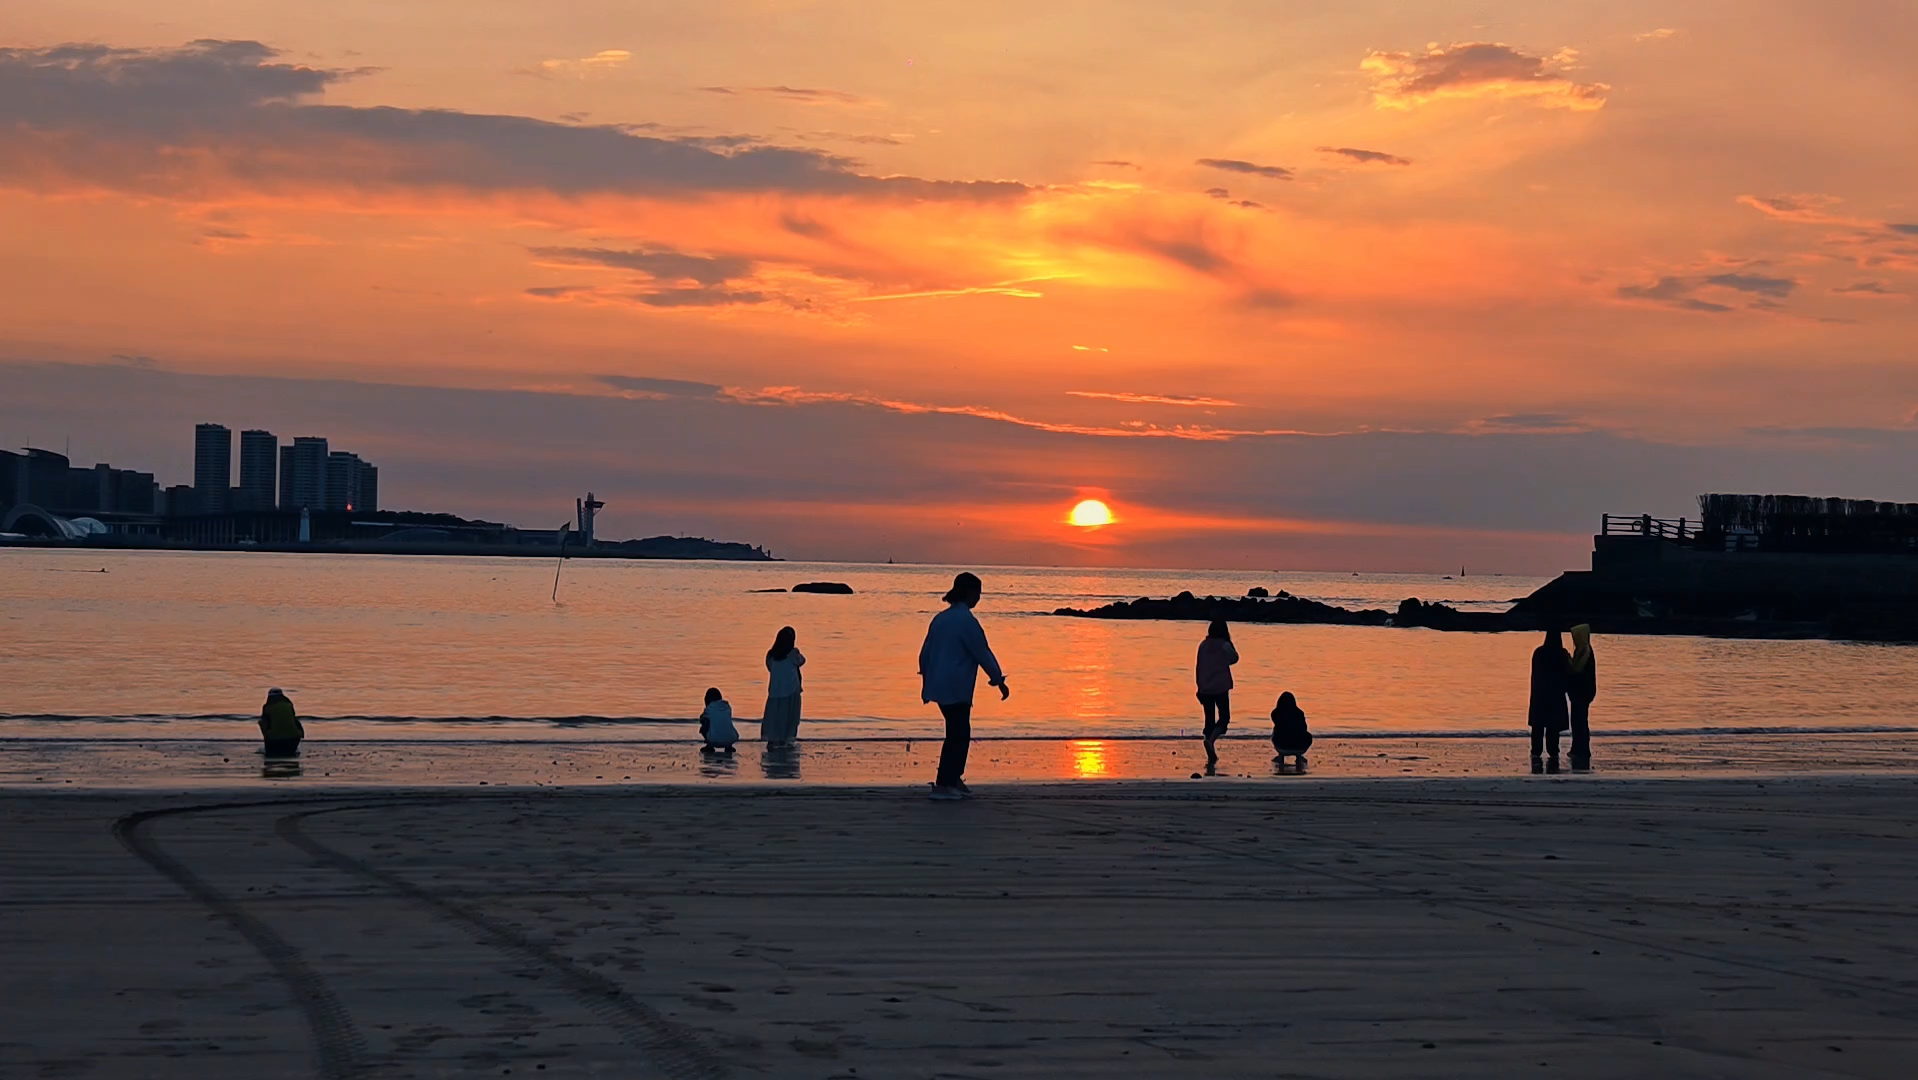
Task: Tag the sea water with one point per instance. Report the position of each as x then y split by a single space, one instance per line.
184 645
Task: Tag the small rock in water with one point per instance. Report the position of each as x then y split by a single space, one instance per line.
1197 776
836 587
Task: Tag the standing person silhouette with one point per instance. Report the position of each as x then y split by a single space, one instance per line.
1582 687
780 727
1551 671
1214 675
949 664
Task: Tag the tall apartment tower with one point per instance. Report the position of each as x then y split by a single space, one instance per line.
259 460
351 484
342 481
212 467
369 489
303 474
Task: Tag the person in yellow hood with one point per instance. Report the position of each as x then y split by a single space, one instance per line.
280 725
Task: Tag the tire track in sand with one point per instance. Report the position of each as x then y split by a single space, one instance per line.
672 1049
338 1046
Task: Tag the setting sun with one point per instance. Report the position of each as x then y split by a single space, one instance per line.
1090 514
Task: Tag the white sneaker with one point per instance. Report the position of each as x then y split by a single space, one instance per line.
944 794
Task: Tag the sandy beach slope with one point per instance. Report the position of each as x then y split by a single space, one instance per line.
1470 928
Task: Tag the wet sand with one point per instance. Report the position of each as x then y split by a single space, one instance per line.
1607 927
183 764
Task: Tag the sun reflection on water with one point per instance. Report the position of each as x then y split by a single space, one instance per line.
1088 757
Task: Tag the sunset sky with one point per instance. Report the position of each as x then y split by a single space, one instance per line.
1368 285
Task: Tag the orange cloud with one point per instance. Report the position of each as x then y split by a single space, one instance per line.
600 62
1478 69
803 95
1157 399
1805 209
1869 244
1364 157
793 395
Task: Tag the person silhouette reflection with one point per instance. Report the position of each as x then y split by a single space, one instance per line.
779 762
280 768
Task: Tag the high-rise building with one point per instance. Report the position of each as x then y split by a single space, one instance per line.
303 474
43 479
177 501
12 467
351 484
343 481
132 492
88 491
259 458
49 481
212 466
369 489
105 489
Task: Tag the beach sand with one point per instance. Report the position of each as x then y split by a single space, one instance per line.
1553 926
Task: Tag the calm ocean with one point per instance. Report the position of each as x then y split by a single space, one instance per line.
180 644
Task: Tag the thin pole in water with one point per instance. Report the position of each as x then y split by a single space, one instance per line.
562 560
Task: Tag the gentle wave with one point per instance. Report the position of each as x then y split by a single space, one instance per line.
154 718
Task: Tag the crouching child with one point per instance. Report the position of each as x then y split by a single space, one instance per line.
716 724
1290 735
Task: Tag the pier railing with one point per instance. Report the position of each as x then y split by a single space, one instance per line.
1647 525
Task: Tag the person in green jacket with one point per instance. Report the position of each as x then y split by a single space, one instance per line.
280 725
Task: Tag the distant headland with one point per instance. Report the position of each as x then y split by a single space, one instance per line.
304 497
1751 566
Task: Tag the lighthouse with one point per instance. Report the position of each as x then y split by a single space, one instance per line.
585 510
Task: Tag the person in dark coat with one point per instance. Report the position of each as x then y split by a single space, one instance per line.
1551 672
1290 735
1582 685
1214 672
280 727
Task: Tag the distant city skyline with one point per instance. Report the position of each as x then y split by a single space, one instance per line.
1382 500
309 477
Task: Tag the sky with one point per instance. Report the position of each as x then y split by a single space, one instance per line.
1377 286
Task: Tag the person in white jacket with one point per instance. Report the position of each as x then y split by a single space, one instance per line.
780 728
716 723
949 664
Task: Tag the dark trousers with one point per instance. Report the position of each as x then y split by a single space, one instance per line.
1542 738
1219 706
282 747
1581 730
952 758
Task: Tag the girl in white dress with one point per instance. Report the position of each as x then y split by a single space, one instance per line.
780 728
